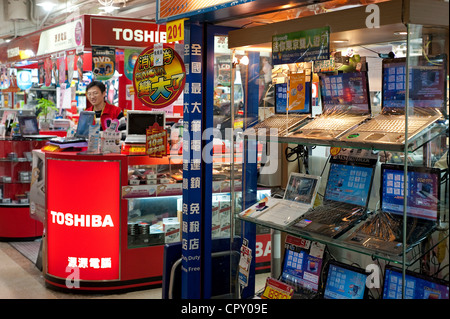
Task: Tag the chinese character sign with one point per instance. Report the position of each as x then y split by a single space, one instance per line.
301 46
158 86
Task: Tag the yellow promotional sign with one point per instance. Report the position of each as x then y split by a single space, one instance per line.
297 91
175 30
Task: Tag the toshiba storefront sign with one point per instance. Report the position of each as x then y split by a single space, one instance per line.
83 219
128 33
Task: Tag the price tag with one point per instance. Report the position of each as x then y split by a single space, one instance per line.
175 30
276 289
137 150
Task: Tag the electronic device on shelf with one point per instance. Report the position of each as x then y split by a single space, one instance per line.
139 121
345 281
29 128
427 102
81 135
384 232
417 286
302 266
285 118
298 197
345 201
345 104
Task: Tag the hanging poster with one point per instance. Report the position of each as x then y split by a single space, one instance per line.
70 65
131 55
4 78
159 86
24 79
103 62
301 46
61 64
48 72
297 91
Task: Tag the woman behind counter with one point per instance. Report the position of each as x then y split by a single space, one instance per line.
95 93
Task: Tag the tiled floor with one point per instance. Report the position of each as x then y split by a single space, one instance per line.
21 279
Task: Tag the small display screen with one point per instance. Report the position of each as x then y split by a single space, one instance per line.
300 189
422 196
138 123
344 283
346 92
349 184
86 119
29 126
416 287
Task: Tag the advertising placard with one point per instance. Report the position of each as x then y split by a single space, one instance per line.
159 86
301 46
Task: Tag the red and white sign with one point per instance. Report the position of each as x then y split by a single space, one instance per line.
83 231
125 33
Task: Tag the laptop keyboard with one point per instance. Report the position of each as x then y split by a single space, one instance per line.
393 125
279 121
333 123
334 214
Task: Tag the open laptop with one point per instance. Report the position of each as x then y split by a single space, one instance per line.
384 231
29 128
345 104
139 121
345 282
85 119
427 102
417 286
345 201
287 115
302 266
298 197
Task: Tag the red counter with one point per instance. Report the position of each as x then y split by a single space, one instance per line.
86 225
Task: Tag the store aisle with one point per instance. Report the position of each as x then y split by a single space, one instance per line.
20 279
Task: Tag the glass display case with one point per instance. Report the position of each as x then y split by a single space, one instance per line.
398 170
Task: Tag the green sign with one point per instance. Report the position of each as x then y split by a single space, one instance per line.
301 46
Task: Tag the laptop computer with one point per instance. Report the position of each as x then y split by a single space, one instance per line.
417 286
345 282
29 128
384 231
345 104
345 201
302 266
427 102
139 121
288 114
85 119
298 197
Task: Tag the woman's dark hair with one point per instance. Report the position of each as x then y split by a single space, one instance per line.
98 84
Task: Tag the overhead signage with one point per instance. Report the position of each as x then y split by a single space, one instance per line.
159 86
83 235
103 62
301 46
60 38
168 9
24 79
126 33
175 30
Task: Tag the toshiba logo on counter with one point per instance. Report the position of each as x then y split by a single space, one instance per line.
119 32
77 220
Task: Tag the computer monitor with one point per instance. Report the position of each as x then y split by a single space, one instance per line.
139 121
281 99
345 92
302 264
427 88
349 183
28 125
423 191
417 286
345 282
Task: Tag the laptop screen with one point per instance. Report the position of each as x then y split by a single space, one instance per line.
301 188
423 194
349 184
427 84
139 121
28 125
86 118
345 92
302 264
281 99
345 282
417 286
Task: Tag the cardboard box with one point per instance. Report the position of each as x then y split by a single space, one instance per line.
171 228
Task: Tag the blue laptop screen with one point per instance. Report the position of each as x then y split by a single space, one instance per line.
344 283
349 184
422 196
417 287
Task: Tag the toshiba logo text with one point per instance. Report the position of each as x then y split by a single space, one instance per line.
81 220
